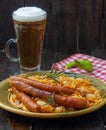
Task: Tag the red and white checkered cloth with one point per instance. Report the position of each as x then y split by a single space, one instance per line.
99 65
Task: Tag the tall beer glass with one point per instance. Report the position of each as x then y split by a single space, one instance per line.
29 25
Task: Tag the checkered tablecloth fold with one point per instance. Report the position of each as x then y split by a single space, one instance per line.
99 65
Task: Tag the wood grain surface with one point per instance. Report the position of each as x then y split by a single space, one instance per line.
72 25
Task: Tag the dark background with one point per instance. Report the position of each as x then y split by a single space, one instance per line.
72 25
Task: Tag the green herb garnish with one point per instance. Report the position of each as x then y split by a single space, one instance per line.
54 74
104 96
50 99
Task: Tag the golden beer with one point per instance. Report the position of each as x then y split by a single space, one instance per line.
30 30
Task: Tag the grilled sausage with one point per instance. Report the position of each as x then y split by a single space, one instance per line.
27 101
77 103
51 88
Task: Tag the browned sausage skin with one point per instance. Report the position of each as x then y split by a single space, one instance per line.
77 103
51 88
26 100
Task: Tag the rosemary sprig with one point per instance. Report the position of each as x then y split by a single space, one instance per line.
104 96
53 74
50 99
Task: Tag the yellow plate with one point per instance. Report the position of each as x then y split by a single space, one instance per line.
4 104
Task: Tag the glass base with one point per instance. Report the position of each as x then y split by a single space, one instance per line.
24 69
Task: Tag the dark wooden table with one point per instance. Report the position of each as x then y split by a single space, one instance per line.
9 121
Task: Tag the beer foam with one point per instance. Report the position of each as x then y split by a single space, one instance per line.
29 14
